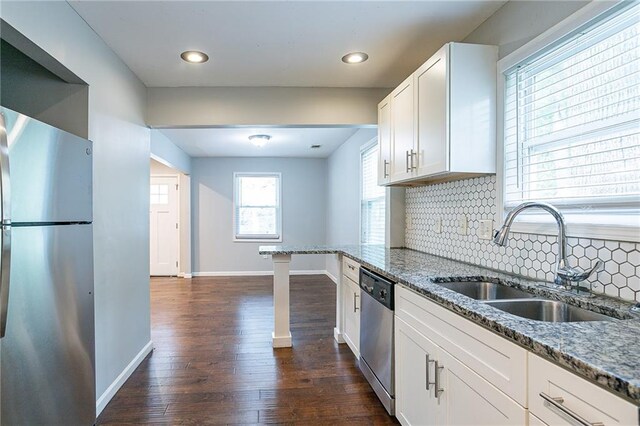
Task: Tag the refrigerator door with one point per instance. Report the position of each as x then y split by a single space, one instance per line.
51 172
47 360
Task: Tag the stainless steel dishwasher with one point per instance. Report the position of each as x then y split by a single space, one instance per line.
376 336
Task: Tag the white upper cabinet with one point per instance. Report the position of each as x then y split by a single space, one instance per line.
402 131
384 140
431 110
443 117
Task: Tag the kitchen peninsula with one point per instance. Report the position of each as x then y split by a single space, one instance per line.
602 352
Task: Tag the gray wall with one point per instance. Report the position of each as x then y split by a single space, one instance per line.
162 147
303 212
518 22
121 177
343 193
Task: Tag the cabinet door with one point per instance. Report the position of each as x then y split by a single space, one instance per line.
384 141
416 403
351 306
431 91
468 399
402 129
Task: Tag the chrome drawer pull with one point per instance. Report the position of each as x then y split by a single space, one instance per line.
407 161
427 379
355 306
555 404
436 382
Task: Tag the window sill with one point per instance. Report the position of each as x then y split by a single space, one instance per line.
580 230
257 240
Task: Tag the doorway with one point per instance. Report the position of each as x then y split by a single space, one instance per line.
164 226
169 221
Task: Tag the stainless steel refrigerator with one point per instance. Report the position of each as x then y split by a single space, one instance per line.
47 372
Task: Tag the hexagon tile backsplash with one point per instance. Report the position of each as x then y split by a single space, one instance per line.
526 254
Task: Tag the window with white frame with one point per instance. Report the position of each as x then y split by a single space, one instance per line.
572 122
257 206
372 200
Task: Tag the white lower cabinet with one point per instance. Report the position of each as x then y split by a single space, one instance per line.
416 403
559 397
351 314
434 388
484 379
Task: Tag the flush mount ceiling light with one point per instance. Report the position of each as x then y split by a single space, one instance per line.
194 57
259 140
355 57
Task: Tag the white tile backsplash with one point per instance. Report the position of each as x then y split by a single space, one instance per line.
526 254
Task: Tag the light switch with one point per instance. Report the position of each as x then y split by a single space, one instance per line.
463 225
485 230
437 225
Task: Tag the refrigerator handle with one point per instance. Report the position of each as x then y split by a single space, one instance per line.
5 273
5 176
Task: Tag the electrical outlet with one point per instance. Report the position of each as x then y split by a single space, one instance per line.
437 225
463 225
485 230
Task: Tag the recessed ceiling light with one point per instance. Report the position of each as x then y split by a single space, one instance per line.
259 140
355 57
315 146
194 57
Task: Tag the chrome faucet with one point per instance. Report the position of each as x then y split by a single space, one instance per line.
565 275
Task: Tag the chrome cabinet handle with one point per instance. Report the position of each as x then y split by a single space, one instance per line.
5 274
385 173
407 161
414 154
355 305
427 378
556 404
436 382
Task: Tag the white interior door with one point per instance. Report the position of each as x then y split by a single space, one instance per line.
164 234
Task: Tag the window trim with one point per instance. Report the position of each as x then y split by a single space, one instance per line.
364 147
256 238
545 40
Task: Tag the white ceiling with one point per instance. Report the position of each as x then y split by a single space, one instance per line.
285 142
268 43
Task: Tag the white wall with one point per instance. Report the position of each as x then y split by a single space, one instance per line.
255 106
518 22
303 212
121 178
343 194
162 148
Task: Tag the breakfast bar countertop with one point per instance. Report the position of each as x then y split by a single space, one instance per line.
604 352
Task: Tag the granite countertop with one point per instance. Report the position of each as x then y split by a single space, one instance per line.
605 352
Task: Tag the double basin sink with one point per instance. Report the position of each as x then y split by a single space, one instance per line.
523 304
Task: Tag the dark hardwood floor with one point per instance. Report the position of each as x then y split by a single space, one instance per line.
213 362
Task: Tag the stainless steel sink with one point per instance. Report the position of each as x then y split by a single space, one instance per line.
486 290
547 310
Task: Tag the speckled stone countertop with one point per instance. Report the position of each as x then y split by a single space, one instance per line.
605 352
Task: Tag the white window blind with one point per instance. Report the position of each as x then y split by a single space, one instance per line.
372 210
257 206
572 120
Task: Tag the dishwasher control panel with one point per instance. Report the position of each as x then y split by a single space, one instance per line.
378 287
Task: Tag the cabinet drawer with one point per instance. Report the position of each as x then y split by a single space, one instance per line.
574 397
498 361
351 269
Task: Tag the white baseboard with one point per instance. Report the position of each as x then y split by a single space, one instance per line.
119 381
256 273
184 275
